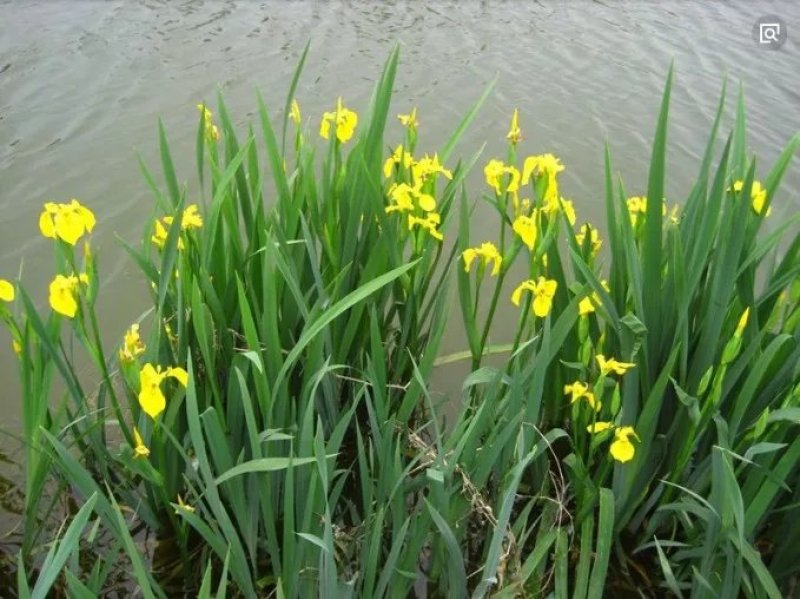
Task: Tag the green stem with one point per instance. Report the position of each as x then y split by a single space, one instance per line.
99 357
476 360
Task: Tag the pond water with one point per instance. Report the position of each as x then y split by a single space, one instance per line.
82 85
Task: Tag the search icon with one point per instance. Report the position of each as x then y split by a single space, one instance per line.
770 31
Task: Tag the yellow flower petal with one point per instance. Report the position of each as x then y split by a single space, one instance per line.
545 164
576 390
516 296
488 252
6 291
585 306
179 374
542 305
525 227
325 125
599 427
621 450
610 365
469 255
86 215
63 295
426 202
151 399
46 224
191 218
593 402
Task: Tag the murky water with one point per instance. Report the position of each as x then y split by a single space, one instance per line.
82 84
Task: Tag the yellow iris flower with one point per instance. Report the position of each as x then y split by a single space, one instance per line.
132 345
429 223
159 237
488 252
64 293
758 196
151 398
621 448
140 450
67 222
610 365
399 156
578 391
409 120
547 165
637 206
191 219
211 130
542 164
594 238
587 304
344 120
404 197
554 203
6 291
543 291
427 166
525 227
495 172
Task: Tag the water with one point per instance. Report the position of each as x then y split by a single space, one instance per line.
82 84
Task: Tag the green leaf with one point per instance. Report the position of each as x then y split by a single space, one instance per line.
264 465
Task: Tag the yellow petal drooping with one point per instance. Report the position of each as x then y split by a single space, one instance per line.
599 427
64 294
610 365
179 374
525 227
151 398
622 449
6 291
543 291
488 252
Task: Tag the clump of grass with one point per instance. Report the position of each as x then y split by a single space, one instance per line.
268 419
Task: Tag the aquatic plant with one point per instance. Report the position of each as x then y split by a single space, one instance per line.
268 418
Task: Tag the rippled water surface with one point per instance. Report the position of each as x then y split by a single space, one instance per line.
82 84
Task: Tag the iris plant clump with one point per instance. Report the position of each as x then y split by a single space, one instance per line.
266 427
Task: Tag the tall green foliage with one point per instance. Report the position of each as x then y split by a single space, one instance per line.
269 417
